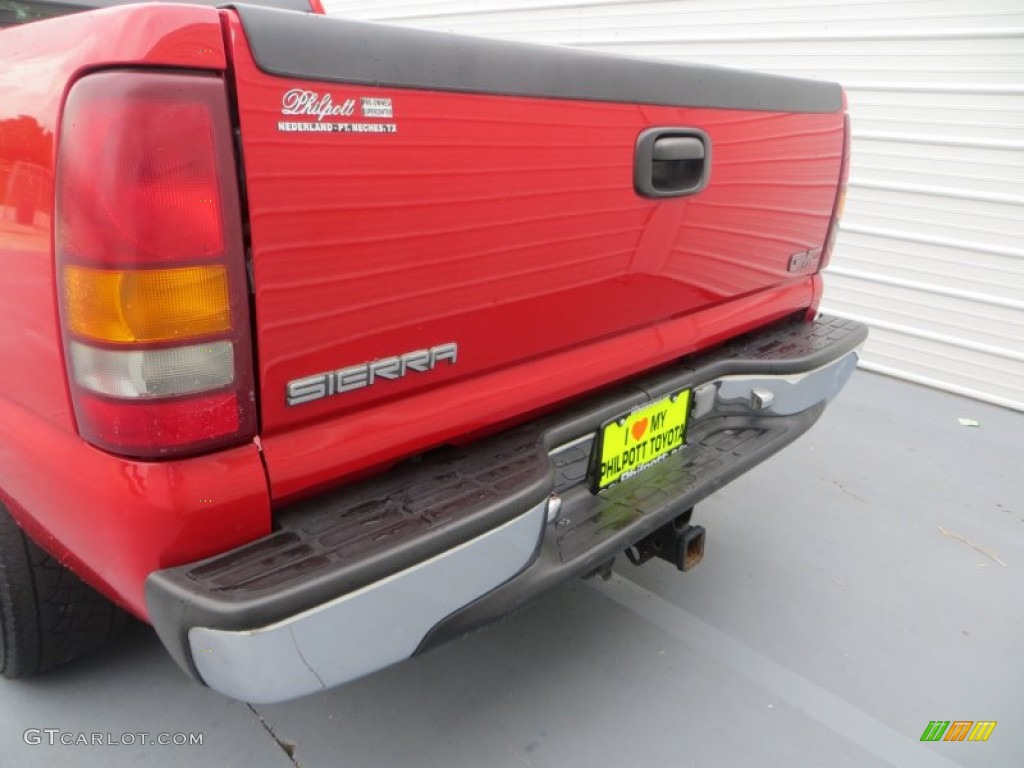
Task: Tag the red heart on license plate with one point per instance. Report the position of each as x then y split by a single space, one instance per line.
639 428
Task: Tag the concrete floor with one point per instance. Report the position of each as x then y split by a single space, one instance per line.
840 608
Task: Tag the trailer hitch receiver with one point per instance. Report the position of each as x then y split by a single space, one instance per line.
678 542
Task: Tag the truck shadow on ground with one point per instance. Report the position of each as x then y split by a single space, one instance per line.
508 687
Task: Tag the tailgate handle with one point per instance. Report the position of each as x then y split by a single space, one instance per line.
678 148
672 162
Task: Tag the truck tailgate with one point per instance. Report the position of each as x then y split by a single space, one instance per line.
428 209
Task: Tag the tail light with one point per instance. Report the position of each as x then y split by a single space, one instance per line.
840 201
150 265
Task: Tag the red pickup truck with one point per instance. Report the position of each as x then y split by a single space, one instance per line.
325 342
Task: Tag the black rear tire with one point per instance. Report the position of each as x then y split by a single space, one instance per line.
47 614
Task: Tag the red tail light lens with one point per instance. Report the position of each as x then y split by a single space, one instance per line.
150 264
139 172
180 424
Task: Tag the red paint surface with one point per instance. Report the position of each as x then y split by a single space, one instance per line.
321 453
510 226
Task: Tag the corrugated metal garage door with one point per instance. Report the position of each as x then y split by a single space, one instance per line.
931 252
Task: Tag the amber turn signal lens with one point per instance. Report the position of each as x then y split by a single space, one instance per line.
840 204
126 306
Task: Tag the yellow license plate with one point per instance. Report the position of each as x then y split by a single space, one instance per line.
633 443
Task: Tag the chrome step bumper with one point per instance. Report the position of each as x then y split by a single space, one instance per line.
369 575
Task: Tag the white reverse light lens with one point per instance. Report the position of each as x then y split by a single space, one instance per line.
154 373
